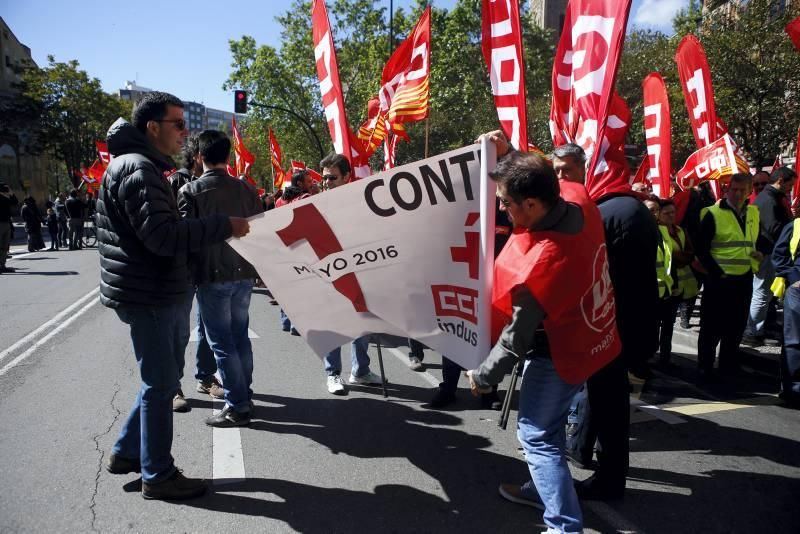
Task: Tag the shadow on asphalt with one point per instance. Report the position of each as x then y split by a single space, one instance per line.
368 428
19 272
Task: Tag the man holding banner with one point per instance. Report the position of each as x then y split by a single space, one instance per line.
553 298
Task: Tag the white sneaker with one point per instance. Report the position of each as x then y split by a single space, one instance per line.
369 379
336 385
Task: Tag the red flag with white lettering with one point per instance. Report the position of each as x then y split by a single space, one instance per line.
344 142
657 132
502 51
102 151
585 109
793 31
715 162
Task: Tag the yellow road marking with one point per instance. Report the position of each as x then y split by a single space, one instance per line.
712 407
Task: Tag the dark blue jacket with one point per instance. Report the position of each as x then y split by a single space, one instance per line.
782 257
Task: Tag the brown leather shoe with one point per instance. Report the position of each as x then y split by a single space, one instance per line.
179 403
175 488
212 387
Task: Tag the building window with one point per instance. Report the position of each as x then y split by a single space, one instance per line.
8 62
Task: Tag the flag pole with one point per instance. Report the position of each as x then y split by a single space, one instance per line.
380 364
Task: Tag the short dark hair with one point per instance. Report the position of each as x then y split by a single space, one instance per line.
742 177
527 175
298 177
664 202
336 160
152 107
189 151
73 193
214 146
570 150
783 174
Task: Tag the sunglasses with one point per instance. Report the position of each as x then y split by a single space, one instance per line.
329 177
504 202
180 124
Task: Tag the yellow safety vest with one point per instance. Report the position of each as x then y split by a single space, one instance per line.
778 287
664 263
686 281
731 248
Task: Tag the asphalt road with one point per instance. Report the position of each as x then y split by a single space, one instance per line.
723 459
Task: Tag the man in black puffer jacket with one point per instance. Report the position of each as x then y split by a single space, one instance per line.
143 246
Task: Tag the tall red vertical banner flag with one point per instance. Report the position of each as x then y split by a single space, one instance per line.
502 51
695 76
585 109
657 133
331 89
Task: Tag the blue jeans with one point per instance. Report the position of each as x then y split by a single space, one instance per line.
147 432
359 359
544 402
206 365
762 295
790 355
225 307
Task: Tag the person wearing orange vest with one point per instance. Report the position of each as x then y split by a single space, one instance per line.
786 261
726 248
553 305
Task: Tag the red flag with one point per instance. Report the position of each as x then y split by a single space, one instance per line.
715 162
102 151
244 158
389 150
300 166
584 71
331 89
276 157
657 132
793 31
695 76
796 188
641 176
502 51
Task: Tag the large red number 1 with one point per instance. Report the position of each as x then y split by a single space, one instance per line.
309 225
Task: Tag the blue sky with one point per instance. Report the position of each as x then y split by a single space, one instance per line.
180 46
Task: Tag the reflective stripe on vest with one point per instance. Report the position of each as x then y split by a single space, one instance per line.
730 247
685 280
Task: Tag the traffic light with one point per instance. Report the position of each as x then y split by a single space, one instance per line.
240 101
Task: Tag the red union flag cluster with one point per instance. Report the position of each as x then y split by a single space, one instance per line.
585 109
717 161
279 175
502 51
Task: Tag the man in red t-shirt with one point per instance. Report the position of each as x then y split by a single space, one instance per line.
553 305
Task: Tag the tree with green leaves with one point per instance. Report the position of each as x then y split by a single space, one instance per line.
75 112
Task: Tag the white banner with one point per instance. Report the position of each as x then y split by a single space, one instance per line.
400 253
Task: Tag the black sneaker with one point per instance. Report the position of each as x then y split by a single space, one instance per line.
752 341
596 489
228 417
441 399
117 465
175 488
491 401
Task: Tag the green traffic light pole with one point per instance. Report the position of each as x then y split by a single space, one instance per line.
298 117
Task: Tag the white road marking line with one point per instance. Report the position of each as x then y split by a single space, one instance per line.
668 417
425 375
49 336
50 323
195 335
18 256
227 456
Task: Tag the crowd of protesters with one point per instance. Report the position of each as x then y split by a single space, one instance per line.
161 247
64 219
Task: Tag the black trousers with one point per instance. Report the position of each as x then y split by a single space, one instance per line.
608 418
667 310
724 310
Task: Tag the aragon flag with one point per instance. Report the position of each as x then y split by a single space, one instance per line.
279 175
244 158
715 162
